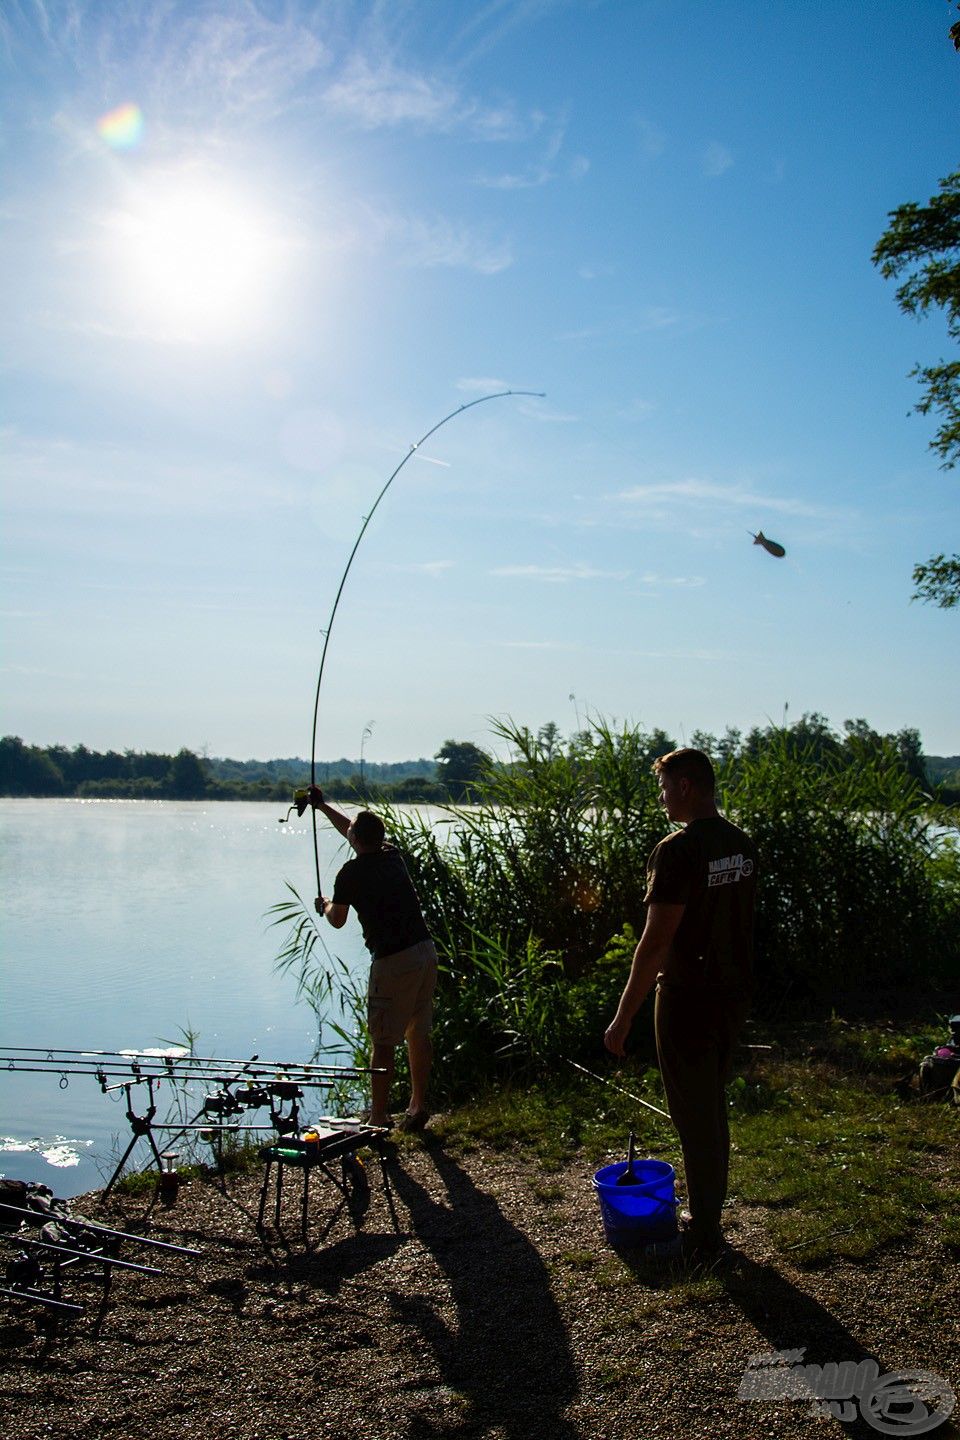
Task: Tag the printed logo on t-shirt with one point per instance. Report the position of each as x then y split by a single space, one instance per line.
728 870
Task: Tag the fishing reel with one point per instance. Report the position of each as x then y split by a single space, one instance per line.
221 1103
289 1093
251 1097
301 802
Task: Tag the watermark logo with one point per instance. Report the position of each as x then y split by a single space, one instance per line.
906 1402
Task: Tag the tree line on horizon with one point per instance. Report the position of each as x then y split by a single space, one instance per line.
458 773
56 771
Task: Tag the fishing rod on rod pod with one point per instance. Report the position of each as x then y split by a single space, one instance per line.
161 1060
302 796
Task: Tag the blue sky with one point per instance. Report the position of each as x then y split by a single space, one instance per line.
231 309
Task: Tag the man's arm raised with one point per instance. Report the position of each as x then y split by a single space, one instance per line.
336 817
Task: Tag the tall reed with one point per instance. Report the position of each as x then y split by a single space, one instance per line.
535 896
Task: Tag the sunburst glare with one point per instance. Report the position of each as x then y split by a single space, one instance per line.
196 259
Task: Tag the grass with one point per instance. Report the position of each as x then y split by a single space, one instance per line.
239 1158
553 1123
837 1162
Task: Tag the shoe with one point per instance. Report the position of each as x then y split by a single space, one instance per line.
415 1122
703 1251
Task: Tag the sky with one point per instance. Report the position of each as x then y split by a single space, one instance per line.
253 252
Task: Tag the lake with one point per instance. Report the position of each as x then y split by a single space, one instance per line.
126 922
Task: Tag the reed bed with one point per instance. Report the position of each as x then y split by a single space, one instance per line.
535 895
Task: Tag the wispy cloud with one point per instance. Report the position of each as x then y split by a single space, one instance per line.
418 241
481 385
590 271
696 492
558 574
534 645
546 167
547 415
228 62
451 244
637 409
486 26
717 160
49 475
381 93
688 582
654 317
433 568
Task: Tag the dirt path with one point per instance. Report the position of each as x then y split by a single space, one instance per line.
494 1310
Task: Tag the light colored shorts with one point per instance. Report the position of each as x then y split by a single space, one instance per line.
400 994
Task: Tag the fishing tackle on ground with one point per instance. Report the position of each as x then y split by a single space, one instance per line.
772 547
481 400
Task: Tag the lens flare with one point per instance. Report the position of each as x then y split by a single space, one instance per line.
122 128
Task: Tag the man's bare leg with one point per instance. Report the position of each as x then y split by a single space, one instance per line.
420 1056
383 1058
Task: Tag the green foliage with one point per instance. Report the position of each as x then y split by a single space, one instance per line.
922 244
557 851
31 770
187 779
336 996
938 580
462 768
26 770
858 886
535 898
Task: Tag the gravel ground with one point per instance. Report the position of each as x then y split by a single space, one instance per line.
493 1307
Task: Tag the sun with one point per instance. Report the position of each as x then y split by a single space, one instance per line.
195 258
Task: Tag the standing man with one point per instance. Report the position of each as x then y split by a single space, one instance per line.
403 972
697 945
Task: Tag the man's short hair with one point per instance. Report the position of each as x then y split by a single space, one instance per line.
368 828
690 765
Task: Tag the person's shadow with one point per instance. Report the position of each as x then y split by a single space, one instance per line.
791 1320
508 1354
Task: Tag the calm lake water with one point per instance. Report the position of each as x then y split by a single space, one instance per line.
125 922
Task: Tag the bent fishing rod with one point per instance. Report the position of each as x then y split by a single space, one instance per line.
301 800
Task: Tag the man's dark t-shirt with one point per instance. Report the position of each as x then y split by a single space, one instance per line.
380 890
710 867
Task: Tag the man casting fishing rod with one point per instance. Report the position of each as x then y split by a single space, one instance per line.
403 970
697 946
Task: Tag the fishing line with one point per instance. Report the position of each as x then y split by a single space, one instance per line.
602 1080
498 395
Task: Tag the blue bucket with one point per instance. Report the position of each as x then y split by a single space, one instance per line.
641 1214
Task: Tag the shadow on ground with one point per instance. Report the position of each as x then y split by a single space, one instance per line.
507 1352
